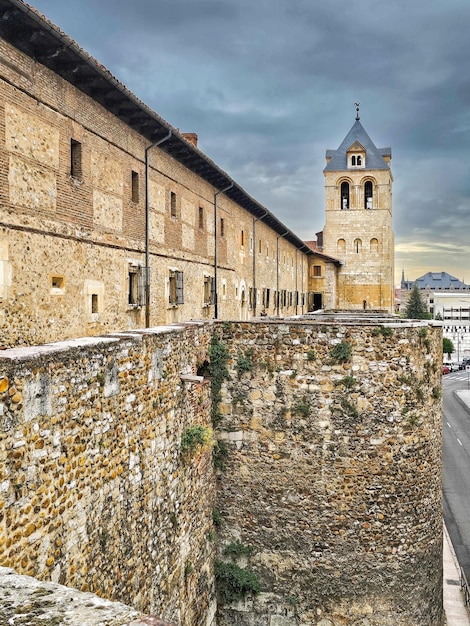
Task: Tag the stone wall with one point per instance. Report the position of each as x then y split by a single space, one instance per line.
332 493
328 471
95 492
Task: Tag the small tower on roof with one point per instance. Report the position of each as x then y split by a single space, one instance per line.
358 229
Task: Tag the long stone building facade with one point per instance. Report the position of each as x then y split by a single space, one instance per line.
111 218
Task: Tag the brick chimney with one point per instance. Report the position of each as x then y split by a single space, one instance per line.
191 137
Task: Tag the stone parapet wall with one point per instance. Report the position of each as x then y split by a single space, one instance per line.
332 486
94 490
50 604
328 470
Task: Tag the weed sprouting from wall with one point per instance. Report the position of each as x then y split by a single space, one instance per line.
194 437
385 331
341 353
234 582
236 549
244 362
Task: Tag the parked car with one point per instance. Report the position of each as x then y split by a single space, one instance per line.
445 369
453 366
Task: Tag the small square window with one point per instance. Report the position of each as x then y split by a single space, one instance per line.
57 282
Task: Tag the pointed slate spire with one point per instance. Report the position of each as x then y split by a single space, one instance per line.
374 156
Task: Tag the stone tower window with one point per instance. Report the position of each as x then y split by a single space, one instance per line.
374 245
341 245
357 246
368 191
344 195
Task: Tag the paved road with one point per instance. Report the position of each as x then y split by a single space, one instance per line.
456 466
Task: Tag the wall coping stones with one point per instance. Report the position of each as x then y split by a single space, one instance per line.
46 602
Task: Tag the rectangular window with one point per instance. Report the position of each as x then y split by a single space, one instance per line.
135 186
175 290
242 238
172 204
317 270
201 218
75 158
136 286
222 227
209 290
94 303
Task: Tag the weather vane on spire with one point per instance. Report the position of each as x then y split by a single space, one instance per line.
356 104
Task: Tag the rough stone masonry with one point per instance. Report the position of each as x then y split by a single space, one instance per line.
328 491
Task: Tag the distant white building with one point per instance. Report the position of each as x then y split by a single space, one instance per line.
447 298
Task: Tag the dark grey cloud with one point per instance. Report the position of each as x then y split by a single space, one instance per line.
269 85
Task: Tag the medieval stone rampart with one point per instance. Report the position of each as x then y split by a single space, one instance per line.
328 490
331 492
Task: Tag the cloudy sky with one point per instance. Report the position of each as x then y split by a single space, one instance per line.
269 85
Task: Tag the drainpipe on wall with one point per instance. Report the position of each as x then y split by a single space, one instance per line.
254 260
296 286
216 295
147 228
277 270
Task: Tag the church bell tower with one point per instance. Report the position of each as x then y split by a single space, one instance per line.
358 229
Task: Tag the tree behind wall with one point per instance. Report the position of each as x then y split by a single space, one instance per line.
416 308
447 347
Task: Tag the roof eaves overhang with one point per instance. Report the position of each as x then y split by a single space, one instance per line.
35 36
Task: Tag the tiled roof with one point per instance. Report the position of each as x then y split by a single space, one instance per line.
374 156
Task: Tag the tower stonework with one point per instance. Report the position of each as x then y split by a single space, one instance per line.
358 229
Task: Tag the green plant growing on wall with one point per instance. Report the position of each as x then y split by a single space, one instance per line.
413 420
236 549
216 518
218 358
244 362
348 407
234 582
188 569
341 353
301 408
311 355
347 381
405 379
385 331
220 455
194 437
436 393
